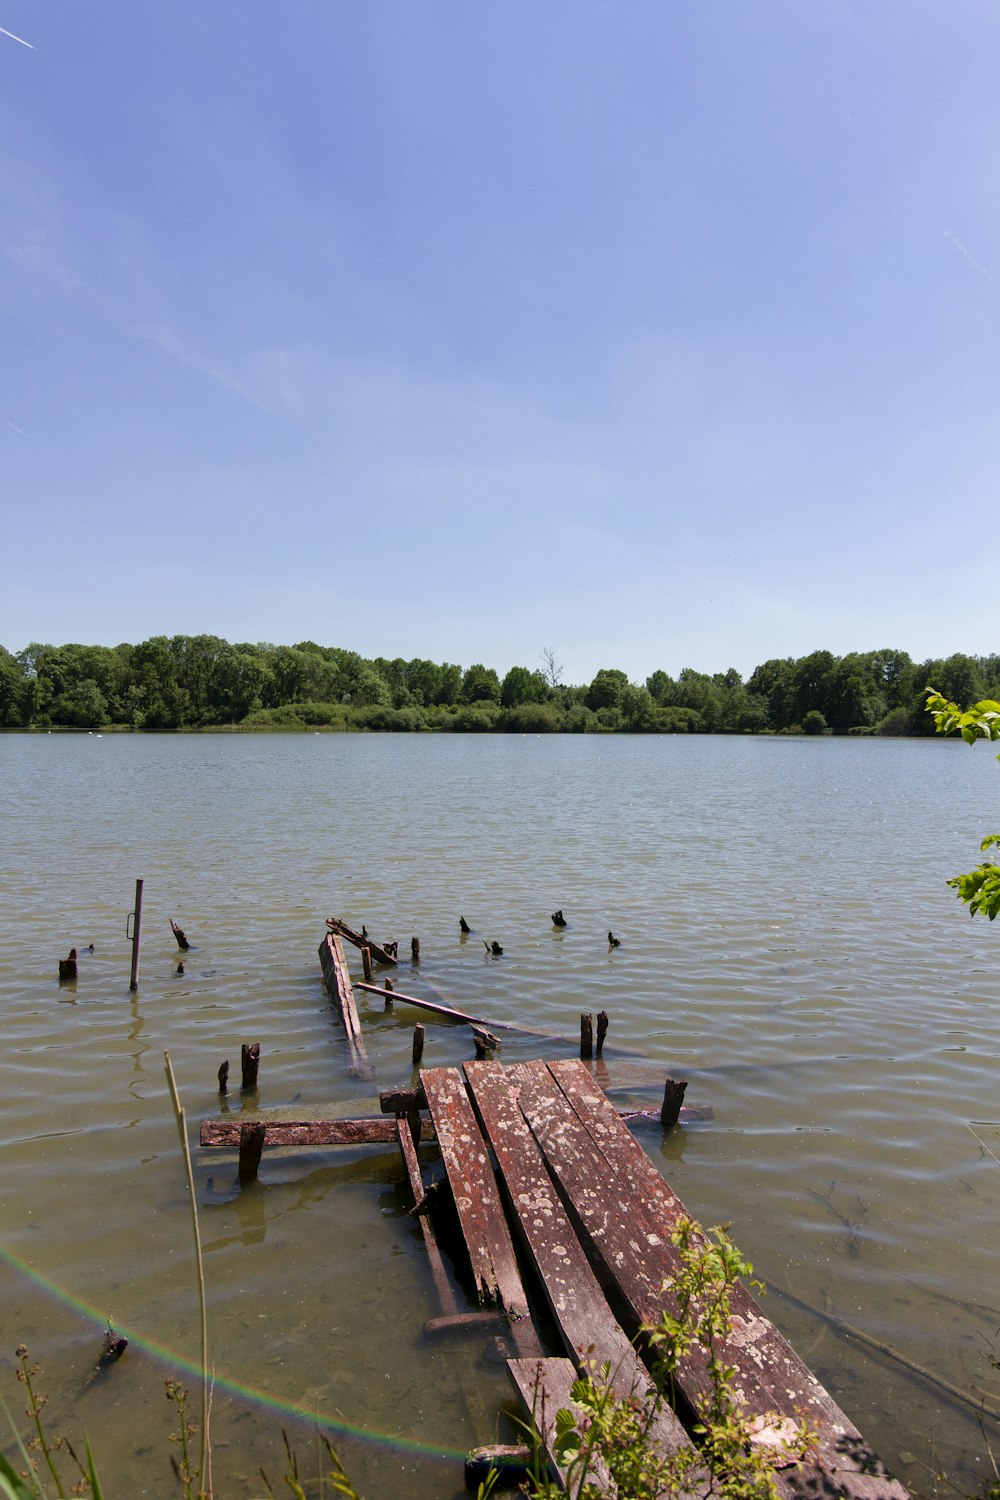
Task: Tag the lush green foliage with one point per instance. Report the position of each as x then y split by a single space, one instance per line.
195 682
980 888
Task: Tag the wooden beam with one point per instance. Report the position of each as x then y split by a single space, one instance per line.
589 1330
338 984
360 940
380 1131
769 1376
439 1010
545 1387
484 1225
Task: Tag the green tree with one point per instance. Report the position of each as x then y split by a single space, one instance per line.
661 688
773 681
523 686
606 689
980 888
15 692
480 685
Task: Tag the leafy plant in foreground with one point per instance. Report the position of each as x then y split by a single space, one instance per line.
28 1484
979 888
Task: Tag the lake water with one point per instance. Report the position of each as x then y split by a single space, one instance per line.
788 946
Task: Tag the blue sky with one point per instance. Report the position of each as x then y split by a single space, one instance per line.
666 334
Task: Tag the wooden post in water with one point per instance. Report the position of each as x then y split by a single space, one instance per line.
602 1030
673 1098
133 983
388 994
415 949
418 1043
251 1062
224 1077
251 1146
586 1035
366 960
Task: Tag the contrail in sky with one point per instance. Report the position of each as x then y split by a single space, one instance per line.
21 431
964 250
16 38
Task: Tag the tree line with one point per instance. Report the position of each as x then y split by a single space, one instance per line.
202 681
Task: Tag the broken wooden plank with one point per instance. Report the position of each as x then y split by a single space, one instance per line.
439 1010
360 940
545 1387
225 1130
484 1225
450 1317
769 1376
338 984
589 1330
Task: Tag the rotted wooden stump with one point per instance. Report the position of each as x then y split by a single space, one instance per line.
251 1062
586 1035
251 1146
673 1098
602 1030
67 966
224 1077
178 933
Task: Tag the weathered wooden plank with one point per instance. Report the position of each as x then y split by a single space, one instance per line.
380 1131
769 1376
588 1327
439 1010
480 1212
446 1295
338 984
545 1387
360 940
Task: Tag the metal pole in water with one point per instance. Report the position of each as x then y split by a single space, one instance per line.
133 983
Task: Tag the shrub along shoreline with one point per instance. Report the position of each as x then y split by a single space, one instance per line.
203 682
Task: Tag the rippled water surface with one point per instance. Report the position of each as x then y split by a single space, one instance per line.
788 946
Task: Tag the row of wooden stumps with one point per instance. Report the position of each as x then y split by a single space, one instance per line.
487 1044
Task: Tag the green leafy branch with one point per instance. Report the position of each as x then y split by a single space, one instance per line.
978 888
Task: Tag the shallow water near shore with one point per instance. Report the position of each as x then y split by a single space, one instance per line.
788 946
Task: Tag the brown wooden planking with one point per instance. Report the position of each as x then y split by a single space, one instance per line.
338 984
360 941
545 1387
484 1224
446 1296
586 1323
449 1013
624 1237
380 1131
769 1373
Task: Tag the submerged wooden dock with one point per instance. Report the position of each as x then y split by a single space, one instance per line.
593 1221
568 1233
